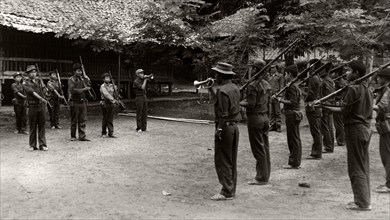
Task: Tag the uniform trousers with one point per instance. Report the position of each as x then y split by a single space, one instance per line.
314 118
108 118
258 126
78 114
37 120
142 109
293 137
225 158
275 115
21 116
384 151
358 137
339 126
327 130
54 112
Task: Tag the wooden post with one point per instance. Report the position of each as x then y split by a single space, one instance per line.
119 73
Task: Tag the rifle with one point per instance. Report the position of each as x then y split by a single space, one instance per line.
60 85
314 73
356 81
116 93
91 94
304 72
339 77
44 90
266 66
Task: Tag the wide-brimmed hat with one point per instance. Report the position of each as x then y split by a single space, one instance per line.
18 74
259 63
30 68
138 71
224 68
105 74
385 72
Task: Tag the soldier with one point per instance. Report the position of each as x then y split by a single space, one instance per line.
257 110
275 79
20 106
141 101
108 102
357 111
293 116
314 114
35 90
227 110
382 107
77 87
327 87
55 97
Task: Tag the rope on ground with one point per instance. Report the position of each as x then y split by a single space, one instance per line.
186 120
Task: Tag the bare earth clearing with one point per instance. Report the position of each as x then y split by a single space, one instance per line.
124 178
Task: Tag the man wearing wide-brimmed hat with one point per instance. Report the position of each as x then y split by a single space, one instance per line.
227 110
20 106
257 102
382 107
37 109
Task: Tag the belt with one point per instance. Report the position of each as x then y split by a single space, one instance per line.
229 123
78 100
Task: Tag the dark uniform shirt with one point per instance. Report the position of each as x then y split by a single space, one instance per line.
293 94
358 102
258 95
76 82
383 102
327 87
137 84
313 89
276 81
32 86
227 106
51 86
18 87
340 83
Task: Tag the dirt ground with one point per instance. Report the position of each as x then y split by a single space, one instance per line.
123 178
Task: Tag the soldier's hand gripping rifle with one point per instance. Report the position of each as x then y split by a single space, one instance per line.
303 73
268 65
356 81
60 85
116 94
42 87
91 93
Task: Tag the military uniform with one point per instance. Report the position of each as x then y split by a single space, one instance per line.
327 87
293 119
258 99
54 110
276 81
108 104
36 113
357 112
141 104
337 116
78 106
20 107
314 116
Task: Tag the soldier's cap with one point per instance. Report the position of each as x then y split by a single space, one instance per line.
138 71
105 74
224 68
52 72
77 66
31 68
18 74
385 72
259 63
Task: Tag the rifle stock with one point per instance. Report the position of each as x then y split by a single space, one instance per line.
268 65
356 81
60 85
93 96
121 104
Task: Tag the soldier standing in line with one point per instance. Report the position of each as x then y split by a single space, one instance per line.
327 87
338 116
108 103
314 114
227 111
37 109
77 87
357 111
257 110
141 101
20 105
275 79
55 97
294 117
382 107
